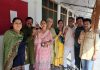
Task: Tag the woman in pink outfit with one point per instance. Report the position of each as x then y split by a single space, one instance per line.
42 46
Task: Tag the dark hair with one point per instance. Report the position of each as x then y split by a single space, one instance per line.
79 18
16 18
60 21
87 19
71 18
43 20
29 18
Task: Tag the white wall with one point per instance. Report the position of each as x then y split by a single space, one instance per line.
35 10
1 40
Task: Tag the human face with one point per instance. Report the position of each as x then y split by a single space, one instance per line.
60 25
29 23
50 23
87 25
79 22
17 25
43 25
71 23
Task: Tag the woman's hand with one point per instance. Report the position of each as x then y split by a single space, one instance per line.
79 41
46 44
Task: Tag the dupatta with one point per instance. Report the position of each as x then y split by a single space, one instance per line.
11 43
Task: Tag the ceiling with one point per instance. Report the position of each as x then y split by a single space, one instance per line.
81 7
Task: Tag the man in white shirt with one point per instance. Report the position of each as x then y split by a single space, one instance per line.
69 42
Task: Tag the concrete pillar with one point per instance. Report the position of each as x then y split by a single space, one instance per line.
35 10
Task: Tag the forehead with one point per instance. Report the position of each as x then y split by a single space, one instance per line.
29 20
87 22
60 22
50 19
71 20
43 22
79 19
50 22
17 21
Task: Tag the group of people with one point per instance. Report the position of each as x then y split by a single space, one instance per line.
45 47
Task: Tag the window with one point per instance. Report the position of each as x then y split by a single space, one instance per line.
63 15
70 14
49 9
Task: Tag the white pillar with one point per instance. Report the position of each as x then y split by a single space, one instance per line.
67 15
35 10
59 11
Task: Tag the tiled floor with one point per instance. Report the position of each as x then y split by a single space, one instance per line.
96 62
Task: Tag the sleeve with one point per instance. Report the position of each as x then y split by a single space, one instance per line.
96 42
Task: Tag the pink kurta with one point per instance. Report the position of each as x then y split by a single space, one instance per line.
43 54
